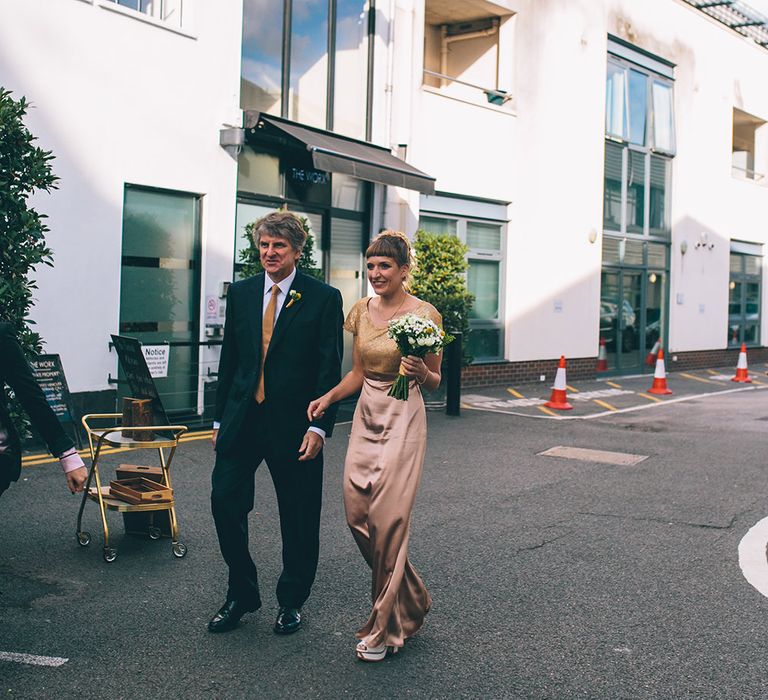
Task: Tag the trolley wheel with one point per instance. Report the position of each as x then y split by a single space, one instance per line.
110 554
154 533
83 538
179 549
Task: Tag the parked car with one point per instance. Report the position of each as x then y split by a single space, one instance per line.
608 320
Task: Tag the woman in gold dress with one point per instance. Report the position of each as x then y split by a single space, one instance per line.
386 447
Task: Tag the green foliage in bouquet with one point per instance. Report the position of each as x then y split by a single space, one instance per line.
24 169
439 279
249 257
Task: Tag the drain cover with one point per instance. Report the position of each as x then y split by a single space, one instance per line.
603 456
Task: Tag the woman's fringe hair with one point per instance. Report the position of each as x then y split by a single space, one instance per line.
395 245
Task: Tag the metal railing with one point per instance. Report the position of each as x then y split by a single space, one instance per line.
493 95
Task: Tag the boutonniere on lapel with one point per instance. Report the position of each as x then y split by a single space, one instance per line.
295 298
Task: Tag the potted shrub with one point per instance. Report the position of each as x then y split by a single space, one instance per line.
439 278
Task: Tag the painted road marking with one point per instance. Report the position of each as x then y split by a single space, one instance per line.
752 556
698 379
32 659
614 385
722 377
35 460
712 371
600 394
570 388
651 398
603 414
602 456
605 405
515 393
551 413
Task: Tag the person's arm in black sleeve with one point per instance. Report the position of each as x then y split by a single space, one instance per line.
19 377
330 349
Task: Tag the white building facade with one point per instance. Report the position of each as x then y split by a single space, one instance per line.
606 162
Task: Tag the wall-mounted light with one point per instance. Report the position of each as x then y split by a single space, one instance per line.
232 140
652 278
703 241
683 247
592 235
732 285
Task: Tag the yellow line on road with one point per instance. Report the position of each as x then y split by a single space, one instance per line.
571 389
515 393
546 410
698 379
712 371
38 459
614 385
605 405
651 398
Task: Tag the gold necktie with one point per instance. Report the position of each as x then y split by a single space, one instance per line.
267 325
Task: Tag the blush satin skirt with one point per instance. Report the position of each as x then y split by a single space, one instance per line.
382 472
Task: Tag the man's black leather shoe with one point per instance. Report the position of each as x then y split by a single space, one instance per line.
229 615
288 620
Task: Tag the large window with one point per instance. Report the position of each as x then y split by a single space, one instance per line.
466 55
638 107
167 11
307 60
744 292
749 153
484 278
640 142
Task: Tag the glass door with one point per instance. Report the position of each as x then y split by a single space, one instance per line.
621 294
160 287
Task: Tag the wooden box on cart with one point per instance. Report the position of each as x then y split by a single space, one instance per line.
140 523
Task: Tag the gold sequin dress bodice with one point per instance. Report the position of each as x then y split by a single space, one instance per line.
378 352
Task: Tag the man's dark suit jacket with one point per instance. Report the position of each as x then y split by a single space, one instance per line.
303 360
15 372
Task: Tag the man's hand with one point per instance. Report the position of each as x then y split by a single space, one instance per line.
310 446
213 437
76 479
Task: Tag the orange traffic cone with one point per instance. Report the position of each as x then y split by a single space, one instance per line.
659 377
741 367
558 399
602 357
650 358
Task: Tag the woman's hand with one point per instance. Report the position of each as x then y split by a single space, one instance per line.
416 368
317 408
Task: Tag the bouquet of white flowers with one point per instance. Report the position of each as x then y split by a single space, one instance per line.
417 336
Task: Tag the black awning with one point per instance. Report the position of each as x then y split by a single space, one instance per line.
339 154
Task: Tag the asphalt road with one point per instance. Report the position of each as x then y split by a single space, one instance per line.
551 578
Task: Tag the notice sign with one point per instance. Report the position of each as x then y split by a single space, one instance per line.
211 310
157 359
49 374
137 374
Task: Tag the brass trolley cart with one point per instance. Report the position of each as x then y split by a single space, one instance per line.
164 437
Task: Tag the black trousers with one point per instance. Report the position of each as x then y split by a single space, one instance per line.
8 468
298 486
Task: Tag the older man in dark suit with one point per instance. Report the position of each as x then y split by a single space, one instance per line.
15 372
282 347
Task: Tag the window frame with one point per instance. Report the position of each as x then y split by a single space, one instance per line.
650 114
744 278
482 255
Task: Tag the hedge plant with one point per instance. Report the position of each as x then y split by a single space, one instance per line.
25 169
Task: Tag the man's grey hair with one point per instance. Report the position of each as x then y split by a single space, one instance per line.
283 224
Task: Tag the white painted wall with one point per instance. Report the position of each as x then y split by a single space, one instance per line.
120 100
716 70
543 152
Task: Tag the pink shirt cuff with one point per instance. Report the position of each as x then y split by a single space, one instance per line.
71 462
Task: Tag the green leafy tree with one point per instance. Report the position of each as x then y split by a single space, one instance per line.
439 279
24 169
249 257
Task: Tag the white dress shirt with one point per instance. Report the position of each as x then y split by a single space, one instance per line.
282 295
